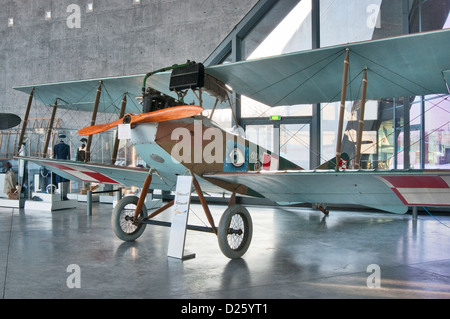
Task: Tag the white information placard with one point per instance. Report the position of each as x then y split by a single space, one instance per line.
124 131
180 218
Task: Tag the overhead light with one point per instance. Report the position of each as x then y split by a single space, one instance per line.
136 1
48 15
90 7
10 22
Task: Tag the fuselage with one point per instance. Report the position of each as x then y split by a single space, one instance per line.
199 146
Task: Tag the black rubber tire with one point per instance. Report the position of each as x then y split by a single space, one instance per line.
236 218
124 229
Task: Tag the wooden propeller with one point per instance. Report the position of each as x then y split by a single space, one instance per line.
171 113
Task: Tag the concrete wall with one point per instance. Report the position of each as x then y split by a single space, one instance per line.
117 38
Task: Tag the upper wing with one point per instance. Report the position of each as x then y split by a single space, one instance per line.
415 64
100 173
386 190
80 95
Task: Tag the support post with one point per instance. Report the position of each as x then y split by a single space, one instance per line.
414 212
25 120
361 120
143 195
342 109
49 129
204 204
89 202
94 117
118 195
232 199
116 141
394 108
406 133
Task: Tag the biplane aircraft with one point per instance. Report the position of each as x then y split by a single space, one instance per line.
175 138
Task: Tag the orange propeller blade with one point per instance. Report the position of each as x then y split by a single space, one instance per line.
171 113
94 129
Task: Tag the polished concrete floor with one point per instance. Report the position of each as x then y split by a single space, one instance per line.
295 253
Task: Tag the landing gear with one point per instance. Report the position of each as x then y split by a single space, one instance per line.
122 220
235 231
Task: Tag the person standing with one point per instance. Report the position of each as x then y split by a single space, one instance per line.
62 151
81 152
10 182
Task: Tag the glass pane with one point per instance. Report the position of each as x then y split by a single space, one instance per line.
329 128
252 108
277 29
261 135
343 21
429 15
222 117
385 146
437 132
293 33
294 143
415 137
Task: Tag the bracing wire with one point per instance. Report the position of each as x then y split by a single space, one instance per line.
436 218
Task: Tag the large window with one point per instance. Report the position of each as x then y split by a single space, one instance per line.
294 143
292 33
430 142
400 132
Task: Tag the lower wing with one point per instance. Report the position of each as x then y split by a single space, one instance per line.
392 191
99 173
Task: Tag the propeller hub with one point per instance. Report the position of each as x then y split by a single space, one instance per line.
127 119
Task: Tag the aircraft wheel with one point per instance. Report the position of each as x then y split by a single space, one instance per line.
122 219
235 231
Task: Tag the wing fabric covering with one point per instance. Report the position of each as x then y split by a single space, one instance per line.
99 173
80 95
400 66
392 191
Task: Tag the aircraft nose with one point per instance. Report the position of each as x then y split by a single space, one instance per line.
126 119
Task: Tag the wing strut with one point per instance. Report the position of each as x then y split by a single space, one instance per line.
25 120
49 129
94 117
361 119
342 109
116 141
143 195
204 204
